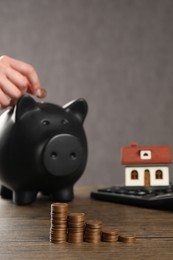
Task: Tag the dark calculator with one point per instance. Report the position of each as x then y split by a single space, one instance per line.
142 197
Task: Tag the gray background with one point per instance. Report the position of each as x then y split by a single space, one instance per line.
117 54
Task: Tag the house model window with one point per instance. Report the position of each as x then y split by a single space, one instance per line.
159 174
134 175
145 155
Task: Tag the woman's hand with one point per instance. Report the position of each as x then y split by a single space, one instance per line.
16 78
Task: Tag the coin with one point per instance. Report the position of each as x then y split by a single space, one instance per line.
76 225
56 241
42 93
92 240
110 234
76 230
76 217
127 238
110 230
59 207
93 223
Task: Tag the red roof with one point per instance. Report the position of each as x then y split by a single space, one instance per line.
158 154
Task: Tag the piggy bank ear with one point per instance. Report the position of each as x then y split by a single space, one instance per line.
78 107
23 105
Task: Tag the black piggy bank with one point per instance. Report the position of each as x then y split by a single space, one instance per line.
43 148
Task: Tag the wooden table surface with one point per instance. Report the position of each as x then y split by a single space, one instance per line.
24 231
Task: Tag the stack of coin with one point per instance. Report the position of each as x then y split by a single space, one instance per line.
58 229
110 234
75 225
93 229
127 238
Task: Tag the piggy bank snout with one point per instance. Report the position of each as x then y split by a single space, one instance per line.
63 155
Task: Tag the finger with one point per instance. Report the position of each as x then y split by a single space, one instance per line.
4 99
17 79
27 70
13 102
9 88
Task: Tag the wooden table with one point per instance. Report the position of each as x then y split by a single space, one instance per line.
24 231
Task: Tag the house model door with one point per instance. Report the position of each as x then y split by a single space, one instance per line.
147 178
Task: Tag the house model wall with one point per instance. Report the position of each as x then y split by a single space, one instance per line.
146 165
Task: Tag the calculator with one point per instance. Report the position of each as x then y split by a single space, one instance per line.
142 197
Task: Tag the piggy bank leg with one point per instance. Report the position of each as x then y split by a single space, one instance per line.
24 197
63 194
6 193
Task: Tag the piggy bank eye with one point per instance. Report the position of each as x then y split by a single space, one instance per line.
64 122
45 122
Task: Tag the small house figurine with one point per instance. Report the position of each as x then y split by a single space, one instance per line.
146 166
147 182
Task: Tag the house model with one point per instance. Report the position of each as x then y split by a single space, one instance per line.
146 166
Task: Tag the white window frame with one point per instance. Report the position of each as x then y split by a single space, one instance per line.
145 155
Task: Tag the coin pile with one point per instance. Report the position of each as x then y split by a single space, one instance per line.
73 228
58 229
75 223
110 235
93 231
127 238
